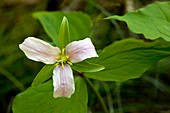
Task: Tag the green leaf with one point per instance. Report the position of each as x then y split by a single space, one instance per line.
79 24
128 59
44 74
40 99
87 67
153 20
64 34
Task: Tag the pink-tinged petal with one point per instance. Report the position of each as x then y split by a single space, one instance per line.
39 50
80 50
63 81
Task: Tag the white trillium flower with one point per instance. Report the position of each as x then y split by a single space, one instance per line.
76 51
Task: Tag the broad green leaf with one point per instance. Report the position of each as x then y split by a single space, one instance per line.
87 67
64 34
128 59
153 20
44 74
79 24
40 99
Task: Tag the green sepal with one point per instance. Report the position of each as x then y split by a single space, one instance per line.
44 74
64 34
87 67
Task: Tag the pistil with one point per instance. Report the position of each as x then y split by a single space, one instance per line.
63 58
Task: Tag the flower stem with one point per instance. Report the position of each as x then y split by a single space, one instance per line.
109 96
11 77
119 101
97 94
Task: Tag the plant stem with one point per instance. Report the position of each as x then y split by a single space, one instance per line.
106 13
157 72
109 97
119 97
11 77
97 94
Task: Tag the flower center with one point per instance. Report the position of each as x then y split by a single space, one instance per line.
63 59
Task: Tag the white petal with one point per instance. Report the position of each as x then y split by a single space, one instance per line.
39 50
63 81
80 50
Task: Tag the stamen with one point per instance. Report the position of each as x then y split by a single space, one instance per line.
56 64
70 63
62 59
58 57
63 51
62 65
67 56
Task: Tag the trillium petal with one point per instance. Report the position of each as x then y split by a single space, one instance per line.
80 50
39 50
63 81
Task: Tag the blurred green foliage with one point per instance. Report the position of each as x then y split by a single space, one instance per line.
150 93
16 71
